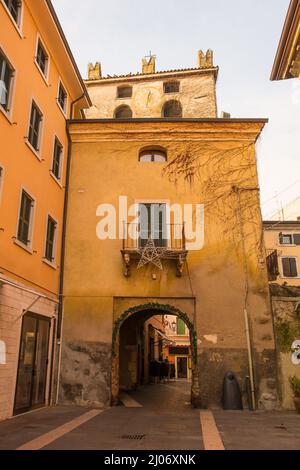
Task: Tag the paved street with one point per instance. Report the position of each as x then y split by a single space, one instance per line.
153 418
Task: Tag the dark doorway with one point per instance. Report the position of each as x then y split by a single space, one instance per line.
33 361
182 367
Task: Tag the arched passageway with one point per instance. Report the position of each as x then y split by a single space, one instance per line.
142 342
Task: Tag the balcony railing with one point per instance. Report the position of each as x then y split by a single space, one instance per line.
171 237
169 240
272 265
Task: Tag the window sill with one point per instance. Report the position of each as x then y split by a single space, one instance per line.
52 265
287 246
290 278
61 110
15 25
45 78
35 152
23 246
57 181
7 115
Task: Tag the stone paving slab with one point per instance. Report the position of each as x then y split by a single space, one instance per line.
166 422
259 430
21 429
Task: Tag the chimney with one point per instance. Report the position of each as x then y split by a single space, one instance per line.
225 115
149 65
94 71
205 60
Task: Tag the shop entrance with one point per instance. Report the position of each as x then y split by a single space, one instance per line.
33 362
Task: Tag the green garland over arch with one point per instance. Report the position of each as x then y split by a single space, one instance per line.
165 308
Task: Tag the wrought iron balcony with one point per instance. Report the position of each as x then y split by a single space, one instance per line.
151 246
272 264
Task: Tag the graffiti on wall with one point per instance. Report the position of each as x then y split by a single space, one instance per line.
296 352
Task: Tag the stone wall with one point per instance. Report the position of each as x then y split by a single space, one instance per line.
286 311
197 96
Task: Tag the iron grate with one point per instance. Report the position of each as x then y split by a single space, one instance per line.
134 437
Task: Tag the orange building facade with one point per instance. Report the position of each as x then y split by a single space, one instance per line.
40 88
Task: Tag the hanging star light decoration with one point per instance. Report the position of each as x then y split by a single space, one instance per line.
150 254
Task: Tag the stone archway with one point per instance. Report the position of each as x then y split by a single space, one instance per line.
155 308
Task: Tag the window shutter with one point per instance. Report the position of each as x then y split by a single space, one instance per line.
297 239
180 327
286 267
289 266
294 272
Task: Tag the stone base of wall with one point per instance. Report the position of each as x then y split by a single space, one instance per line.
213 363
86 374
13 302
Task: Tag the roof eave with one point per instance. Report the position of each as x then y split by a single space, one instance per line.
292 19
69 52
154 76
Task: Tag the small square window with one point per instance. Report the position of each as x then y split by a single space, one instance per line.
57 159
171 87
14 8
35 127
50 239
6 78
62 97
286 239
124 92
25 218
42 58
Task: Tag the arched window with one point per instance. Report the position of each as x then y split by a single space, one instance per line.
124 91
153 155
172 109
123 112
171 87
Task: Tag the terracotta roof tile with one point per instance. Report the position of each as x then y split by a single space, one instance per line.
160 72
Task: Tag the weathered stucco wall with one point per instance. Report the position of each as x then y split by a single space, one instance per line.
105 166
197 96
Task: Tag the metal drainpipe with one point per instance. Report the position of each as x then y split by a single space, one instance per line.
63 248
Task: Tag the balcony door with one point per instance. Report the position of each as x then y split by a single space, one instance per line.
153 223
33 361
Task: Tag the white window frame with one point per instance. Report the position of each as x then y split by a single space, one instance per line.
29 247
286 234
2 174
167 203
37 153
46 75
19 24
45 260
59 180
11 92
297 266
64 111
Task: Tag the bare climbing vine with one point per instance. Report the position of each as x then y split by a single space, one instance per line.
225 179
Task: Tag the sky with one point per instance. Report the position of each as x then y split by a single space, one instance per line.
244 37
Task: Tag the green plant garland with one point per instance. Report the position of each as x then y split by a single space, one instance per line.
170 309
